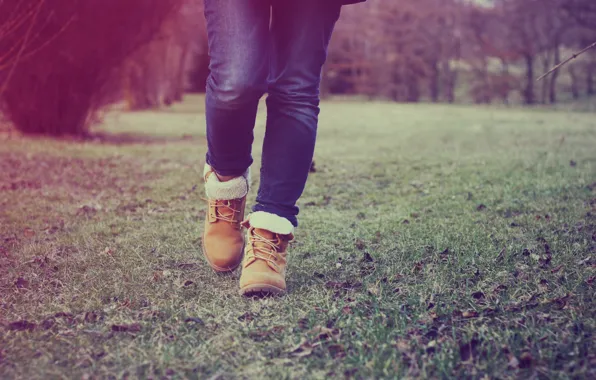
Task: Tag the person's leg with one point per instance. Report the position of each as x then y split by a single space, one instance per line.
238 36
301 31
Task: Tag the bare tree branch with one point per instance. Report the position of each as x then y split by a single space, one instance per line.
574 56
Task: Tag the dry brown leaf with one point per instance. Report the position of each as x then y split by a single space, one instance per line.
323 333
403 346
469 314
513 362
337 351
303 349
135 327
374 290
21 283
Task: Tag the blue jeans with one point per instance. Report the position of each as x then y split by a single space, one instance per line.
276 47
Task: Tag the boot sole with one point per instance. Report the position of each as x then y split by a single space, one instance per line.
262 290
215 267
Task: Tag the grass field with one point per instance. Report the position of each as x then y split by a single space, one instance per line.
435 242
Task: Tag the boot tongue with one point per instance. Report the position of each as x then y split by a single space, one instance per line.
266 234
226 208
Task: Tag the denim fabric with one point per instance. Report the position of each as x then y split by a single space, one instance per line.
267 46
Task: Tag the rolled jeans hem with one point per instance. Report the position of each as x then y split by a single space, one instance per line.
272 210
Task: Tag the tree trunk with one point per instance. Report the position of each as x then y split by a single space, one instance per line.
413 90
590 78
434 82
553 81
545 84
529 98
451 82
181 77
574 82
506 86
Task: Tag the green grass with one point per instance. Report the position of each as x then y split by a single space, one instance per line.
435 242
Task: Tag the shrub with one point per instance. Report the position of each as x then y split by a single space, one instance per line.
79 48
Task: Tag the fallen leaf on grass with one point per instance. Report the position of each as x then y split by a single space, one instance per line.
557 269
157 276
561 302
196 320
545 260
261 335
303 323
342 285
585 261
489 311
367 258
513 362
360 245
478 295
186 265
324 333
403 346
373 290
22 326
337 351
91 317
48 323
418 267
21 283
248 316
469 314
468 350
135 327
301 350
525 360
431 347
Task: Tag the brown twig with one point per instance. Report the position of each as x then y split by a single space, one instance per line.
23 46
574 56
31 52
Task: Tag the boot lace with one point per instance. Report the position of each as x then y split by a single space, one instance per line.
218 205
266 251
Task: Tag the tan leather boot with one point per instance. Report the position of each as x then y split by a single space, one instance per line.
223 240
265 255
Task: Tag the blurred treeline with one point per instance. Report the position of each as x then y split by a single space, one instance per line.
62 62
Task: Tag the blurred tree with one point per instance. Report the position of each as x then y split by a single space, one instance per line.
59 91
158 73
18 22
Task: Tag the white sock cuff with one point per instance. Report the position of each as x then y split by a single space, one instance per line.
232 189
270 222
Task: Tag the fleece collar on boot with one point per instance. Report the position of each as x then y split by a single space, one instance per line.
270 222
232 189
